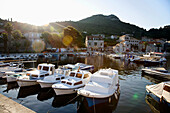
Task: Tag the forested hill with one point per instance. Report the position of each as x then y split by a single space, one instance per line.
104 25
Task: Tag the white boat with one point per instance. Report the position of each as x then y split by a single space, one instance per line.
75 80
85 66
160 72
19 68
48 81
160 92
103 83
12 76
31 77
102 88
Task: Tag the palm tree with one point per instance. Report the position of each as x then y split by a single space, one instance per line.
8 28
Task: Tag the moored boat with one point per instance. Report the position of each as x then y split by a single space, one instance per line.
157 72
102 86
48 81
31 77
75 80
160 92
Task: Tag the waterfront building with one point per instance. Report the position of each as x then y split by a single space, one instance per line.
94 43
127 43
32 36
121 47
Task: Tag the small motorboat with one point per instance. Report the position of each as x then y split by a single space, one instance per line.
48 81
40 73
160 72
160 92
85 66
76 79
12 76
102 86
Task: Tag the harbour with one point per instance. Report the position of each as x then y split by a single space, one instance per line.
132 87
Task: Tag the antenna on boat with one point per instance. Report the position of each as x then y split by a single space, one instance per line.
78 69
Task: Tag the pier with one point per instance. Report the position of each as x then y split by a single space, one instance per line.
9 106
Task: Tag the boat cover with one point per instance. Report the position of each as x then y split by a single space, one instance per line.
161 89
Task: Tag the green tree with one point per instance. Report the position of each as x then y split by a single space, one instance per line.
45 36
17 34
8 28
77 39
27 44
5 39
17 45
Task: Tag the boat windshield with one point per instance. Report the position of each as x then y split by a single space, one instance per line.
72 74
39 67
167 88
86 75
45 68
78 75
63 82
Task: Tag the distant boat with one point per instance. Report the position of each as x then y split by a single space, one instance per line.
160 72
102 86
160 92
31 77
75 80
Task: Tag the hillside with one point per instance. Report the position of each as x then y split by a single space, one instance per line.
104 25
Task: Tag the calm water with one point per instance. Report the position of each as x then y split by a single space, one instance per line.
132 88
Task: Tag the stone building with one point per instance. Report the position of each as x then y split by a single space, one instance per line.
94 43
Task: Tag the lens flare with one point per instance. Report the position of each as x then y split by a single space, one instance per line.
38 45
67 40
135 96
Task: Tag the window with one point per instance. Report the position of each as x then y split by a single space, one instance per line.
69 83
78 75
101 44
57 79
63 82
95 43
39 67
72 74
45 68
86 75
89 44
34 75
77 83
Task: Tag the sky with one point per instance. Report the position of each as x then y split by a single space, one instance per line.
143 13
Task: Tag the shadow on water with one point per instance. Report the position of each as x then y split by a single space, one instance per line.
45 94
11 85
3 81
153 78
63 100
28 90
155 106
103 105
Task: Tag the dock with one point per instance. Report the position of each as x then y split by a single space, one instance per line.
9 106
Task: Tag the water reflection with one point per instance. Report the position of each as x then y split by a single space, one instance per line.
3 81
154 79
11 85
28 90
155 106
110 104
45 94
63 100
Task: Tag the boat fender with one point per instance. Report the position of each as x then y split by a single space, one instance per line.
116 96
110 99
161 99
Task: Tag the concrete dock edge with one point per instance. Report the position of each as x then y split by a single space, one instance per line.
9 106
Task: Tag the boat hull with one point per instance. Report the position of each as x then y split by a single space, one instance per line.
45 84
64 91
11 79
23 83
